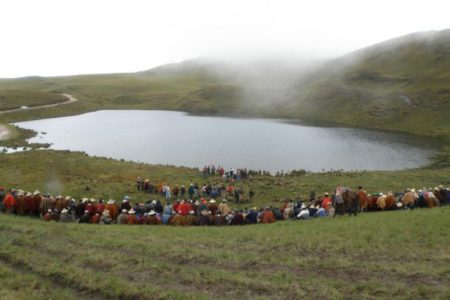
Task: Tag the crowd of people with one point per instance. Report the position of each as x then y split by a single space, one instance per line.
199 207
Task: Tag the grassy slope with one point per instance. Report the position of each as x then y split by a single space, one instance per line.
60 172
403 254
369 87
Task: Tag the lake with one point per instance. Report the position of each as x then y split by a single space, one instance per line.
176 138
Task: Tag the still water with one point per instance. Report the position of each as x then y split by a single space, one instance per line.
176 138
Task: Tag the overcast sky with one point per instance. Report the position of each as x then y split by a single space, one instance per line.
62 37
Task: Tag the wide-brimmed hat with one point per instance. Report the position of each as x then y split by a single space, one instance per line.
36 192
212 201
399 204
84 200
131 211
64 210
124 211
303 206
152 213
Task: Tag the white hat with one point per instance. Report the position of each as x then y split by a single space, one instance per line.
154 202
68 198
151 213
36 192
84 200
191 212
131 211
124 211
49 210
399 204
110 201
86 211
64 210
303 206
212 201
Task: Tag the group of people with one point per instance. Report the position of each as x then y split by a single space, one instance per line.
206 211
194 191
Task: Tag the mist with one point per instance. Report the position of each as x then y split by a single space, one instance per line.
51 38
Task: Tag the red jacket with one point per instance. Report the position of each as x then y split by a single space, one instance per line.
184 209
325 202
9 201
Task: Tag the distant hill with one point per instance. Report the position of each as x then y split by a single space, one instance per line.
401 84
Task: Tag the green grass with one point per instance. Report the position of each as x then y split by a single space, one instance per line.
69 173
402 254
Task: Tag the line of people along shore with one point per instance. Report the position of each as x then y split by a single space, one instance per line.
202 209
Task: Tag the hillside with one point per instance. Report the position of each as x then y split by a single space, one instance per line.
402 84
401 254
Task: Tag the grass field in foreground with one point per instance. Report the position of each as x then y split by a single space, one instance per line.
401 254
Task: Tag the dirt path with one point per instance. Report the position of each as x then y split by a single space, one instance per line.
69 97
4 132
